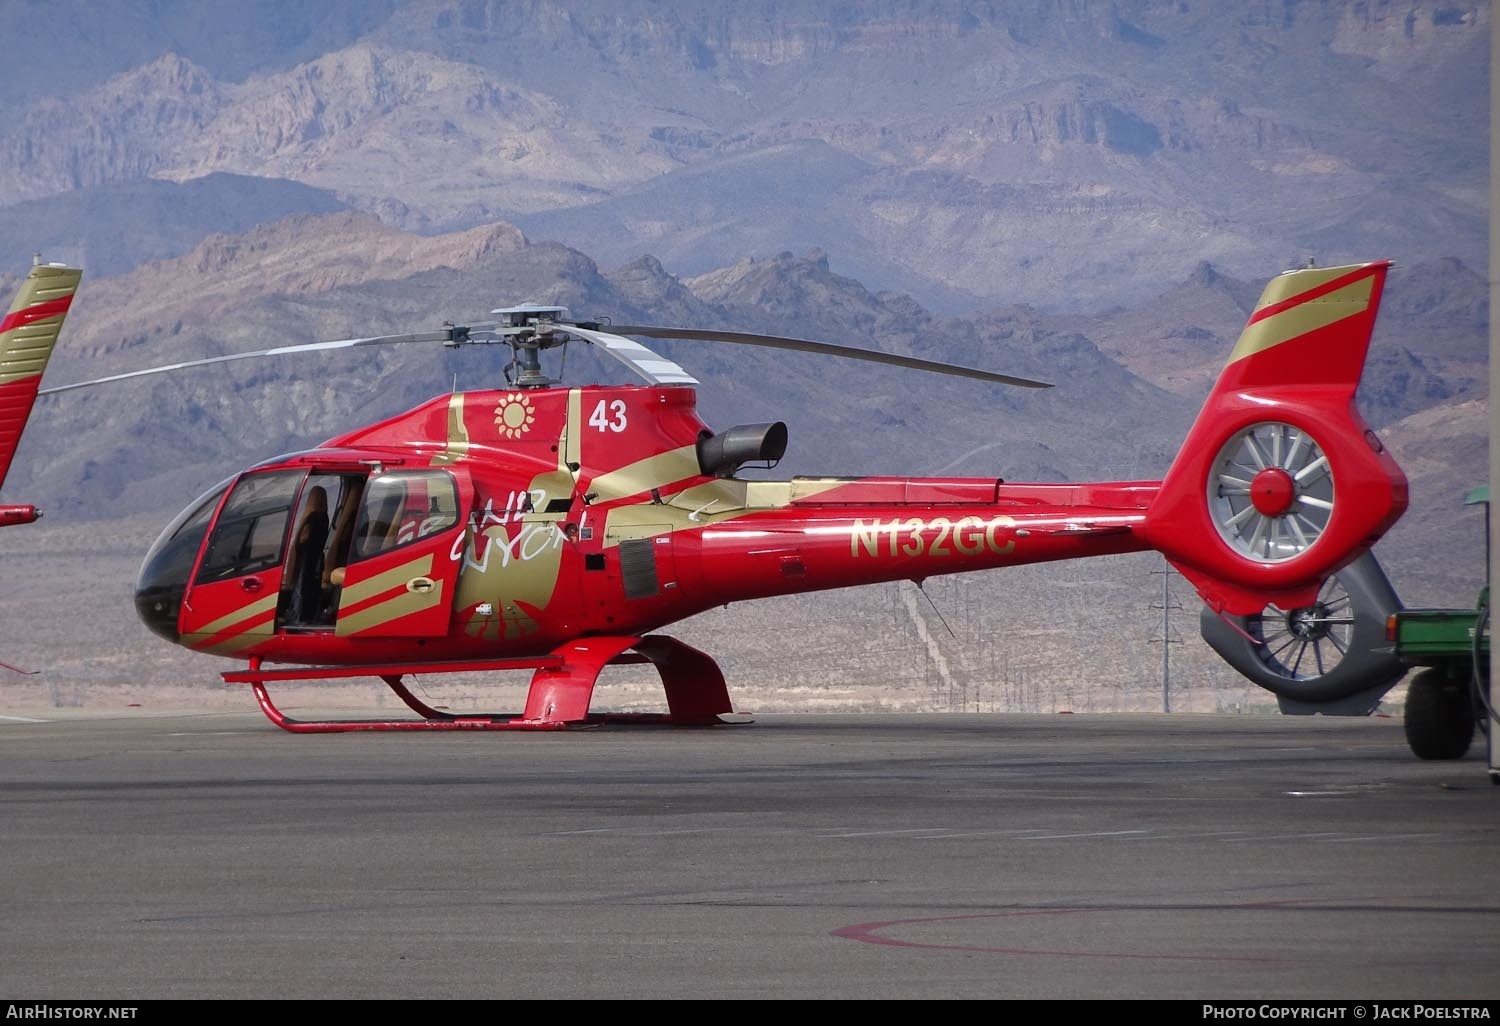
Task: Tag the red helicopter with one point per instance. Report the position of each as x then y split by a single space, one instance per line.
557 529
27 334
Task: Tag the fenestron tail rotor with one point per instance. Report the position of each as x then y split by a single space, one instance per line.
1271 491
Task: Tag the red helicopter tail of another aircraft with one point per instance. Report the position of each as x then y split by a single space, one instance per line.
1281 482
27 335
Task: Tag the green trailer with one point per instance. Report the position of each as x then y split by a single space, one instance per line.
1449 694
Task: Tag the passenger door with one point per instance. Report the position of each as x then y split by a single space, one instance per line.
401 579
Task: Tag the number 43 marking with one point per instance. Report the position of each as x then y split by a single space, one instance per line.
614 420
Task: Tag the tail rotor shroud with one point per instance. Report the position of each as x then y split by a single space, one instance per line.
1271 492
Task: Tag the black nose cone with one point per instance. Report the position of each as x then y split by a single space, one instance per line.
157 608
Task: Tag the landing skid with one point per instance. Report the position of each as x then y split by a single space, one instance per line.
562 685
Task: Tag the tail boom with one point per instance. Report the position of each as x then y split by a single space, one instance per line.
1281 482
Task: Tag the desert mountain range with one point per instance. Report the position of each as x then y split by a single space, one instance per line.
1062 153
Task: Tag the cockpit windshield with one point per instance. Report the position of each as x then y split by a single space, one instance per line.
164 572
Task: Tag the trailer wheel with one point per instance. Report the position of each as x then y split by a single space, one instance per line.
1439 715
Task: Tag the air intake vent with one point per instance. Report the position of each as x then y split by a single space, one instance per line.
638 568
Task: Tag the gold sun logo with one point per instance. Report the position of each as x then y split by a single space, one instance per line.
514 415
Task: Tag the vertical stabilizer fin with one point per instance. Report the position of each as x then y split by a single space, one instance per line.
27 335
1281 482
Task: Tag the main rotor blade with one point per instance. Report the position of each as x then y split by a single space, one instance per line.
441 335
826 349
652 366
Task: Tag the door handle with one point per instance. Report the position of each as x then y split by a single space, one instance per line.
251 584
420 585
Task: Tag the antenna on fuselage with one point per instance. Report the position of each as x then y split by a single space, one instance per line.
941 618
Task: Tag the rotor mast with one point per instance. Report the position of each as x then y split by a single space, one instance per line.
529 329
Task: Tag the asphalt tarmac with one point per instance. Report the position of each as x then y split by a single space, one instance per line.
150 856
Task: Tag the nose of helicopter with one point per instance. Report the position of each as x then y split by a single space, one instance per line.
161 585
163 580
157 603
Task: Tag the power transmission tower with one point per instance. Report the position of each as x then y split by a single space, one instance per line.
1167 641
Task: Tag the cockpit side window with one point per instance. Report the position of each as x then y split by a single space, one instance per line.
250 534
403 507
